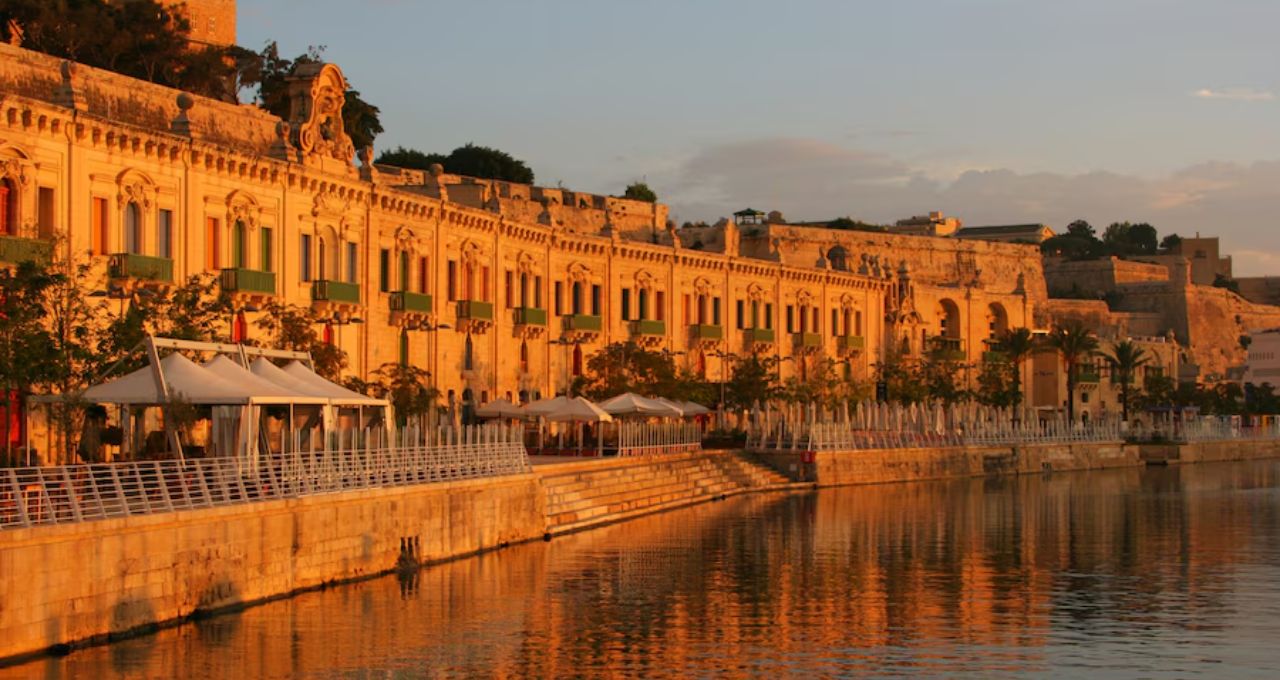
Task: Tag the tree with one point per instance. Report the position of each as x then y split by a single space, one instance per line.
25 340
639 191
1074 343
849 224
1170 242
902 379
997 384
294 328
407 387
195 310
754 380
412 159
1017 345
1079 243
628 367
1125 359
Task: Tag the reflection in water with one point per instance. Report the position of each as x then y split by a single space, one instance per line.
1163 572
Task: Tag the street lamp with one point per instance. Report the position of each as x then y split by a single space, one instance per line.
724 357
568 342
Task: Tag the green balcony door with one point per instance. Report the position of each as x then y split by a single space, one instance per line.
404 270
239 256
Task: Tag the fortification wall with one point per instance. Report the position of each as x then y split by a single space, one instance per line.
1264 290
1100 276
134 102
83 582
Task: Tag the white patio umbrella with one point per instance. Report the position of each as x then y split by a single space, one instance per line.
632 404
677 405
501 408
692 409
576 410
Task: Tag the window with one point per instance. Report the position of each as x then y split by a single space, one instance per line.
304 255
266 259
755 314
239 246
46 211
813 314
577 360
537 292
322 258
701 311
524 357
559 297
99 218
164 233
768 315
524 289
791 321
595 300
575 297
626 304
132 229
404 347
642 304
468 354
240 329
484 284
715 311
384 270
451 280
738 310
422 275
8 207
684 317
835 321
353 262
660 306
212 244
508 289
405 270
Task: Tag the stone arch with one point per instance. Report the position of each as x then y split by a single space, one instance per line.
948 314
997 321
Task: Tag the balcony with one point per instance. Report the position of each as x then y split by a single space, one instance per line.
806 341
1087 375
248 281
648 328
705 333
531 316
16 250
406 302
945 348
850 343
582 323
758 336
335 291
141 267
475 310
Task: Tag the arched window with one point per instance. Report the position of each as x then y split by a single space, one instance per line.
524 357
8 207
132 228
468 354
404 347
322 268
577 360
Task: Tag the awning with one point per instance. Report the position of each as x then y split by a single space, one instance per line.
338 394
632 404
562 409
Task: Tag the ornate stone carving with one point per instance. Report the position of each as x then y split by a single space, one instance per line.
317 94
578 272
644 280
15 170
242 207
135 188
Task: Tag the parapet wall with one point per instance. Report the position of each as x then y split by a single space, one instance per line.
84 582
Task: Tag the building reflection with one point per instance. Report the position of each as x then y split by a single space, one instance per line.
970 575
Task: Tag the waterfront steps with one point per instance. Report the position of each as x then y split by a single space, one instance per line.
589 493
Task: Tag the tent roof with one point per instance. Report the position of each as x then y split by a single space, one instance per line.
336 393
562 408
185 379
501 408
261 387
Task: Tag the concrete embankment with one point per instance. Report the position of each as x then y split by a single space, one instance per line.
78 583
1210 452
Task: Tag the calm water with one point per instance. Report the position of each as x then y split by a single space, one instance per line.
1132 573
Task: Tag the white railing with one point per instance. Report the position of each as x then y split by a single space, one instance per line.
77 493
648 439
1212 430
785 436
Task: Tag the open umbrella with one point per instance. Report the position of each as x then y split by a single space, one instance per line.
632 404
692 409
501 408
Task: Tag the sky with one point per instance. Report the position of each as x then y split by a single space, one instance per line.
995 111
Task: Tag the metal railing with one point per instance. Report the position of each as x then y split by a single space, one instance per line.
239 280
135 266
1209 430
785 436
79 493
327 290
648 439
17 249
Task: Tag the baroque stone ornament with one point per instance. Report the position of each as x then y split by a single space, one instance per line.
317 93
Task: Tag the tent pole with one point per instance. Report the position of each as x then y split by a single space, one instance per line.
175 442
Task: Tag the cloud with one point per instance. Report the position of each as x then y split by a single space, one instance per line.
1240 94
808 179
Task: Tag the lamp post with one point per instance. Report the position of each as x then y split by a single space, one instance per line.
430 329
724 362
568 370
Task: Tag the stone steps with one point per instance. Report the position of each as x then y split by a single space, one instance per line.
604 491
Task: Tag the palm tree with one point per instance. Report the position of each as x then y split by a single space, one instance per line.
1018 344
1125 360
1075 343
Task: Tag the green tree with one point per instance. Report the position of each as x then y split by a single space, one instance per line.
628 367
407 387
1017 345
849 224
997 385
412 159
294 328
1074 343
902 378
754 380
469 160
1170 241
25 339
1125 358
195 310
639 191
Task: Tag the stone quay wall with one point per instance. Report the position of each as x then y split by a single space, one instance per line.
1209 452
80 583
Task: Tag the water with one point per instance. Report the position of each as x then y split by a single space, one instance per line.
1118 574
